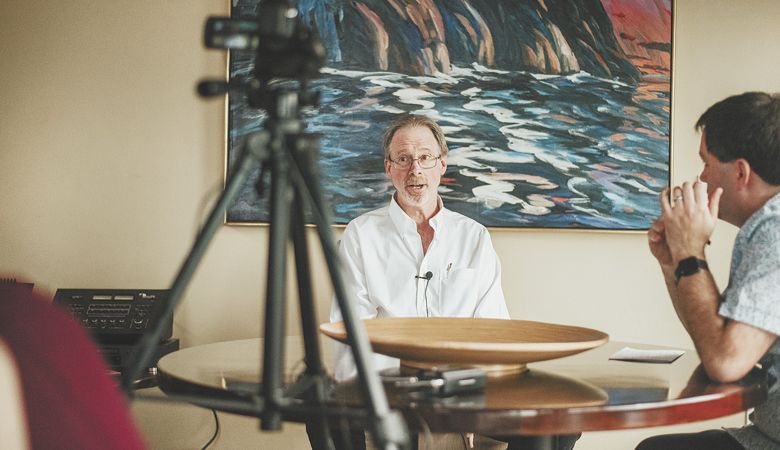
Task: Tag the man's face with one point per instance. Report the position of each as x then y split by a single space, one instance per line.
716 174
416 186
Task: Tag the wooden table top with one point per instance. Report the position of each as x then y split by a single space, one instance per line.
583 392
427 341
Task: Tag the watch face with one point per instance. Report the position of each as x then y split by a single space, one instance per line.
688 266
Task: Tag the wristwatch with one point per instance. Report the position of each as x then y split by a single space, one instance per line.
689 266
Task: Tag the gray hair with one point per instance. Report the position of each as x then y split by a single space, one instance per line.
410 121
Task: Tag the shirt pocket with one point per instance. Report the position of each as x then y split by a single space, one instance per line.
458 293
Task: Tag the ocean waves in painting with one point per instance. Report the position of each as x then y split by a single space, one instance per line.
526 150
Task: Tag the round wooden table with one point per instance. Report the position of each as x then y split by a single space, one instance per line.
584 392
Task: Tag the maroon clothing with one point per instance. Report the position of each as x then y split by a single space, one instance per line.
70 399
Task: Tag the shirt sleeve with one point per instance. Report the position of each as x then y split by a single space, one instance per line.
753 294
491 302
353 274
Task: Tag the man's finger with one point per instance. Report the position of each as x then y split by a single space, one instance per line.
666 207
715 202
688 196
700 189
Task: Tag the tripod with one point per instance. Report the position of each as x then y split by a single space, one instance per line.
290 155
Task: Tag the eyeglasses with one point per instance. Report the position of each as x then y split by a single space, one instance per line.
426 161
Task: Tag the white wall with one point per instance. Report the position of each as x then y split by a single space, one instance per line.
107 158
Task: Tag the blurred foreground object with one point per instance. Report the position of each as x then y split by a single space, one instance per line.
69 399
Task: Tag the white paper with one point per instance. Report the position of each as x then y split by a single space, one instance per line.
651 356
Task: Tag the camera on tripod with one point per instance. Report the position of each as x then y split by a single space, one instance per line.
284 47
287 55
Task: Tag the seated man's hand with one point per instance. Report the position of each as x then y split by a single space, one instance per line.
656 239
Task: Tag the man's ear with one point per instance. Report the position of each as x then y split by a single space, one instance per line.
743 172
443 161
387 168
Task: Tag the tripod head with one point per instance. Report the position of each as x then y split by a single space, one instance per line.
287 55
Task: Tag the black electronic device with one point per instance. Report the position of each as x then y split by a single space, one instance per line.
439 381
116 316
454 380
119 356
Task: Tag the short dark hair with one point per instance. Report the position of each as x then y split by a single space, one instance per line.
410 120
745 126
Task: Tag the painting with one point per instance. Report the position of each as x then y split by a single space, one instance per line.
556 112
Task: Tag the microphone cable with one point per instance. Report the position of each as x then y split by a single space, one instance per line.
216 431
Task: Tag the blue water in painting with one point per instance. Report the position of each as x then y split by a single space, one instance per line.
526 150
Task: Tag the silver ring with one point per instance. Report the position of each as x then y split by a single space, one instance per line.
678 198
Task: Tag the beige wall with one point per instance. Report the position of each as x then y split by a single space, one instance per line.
107 159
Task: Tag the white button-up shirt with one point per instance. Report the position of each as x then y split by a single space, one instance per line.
383 263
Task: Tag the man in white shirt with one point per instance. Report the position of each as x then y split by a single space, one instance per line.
414 257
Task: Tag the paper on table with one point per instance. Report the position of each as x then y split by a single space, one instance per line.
650 356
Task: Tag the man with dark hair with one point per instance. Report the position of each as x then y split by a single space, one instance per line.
738 328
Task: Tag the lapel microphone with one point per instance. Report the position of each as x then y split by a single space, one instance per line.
427 277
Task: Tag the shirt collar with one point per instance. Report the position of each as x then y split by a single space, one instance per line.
770 206
438 218
404 223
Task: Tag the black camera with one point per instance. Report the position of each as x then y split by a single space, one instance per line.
284 46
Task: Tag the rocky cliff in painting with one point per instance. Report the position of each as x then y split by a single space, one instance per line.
644 29
427 36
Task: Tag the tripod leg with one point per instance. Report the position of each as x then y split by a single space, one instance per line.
317 428
389 430
143 353
311 341
273 353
